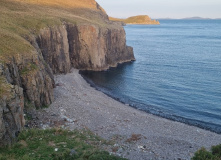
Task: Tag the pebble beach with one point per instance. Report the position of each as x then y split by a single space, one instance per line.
138 135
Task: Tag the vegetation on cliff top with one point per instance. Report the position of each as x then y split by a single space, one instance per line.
55 144
21 18
142 19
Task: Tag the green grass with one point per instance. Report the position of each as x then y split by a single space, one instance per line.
21 19
142 19
203 154
29 68
56 144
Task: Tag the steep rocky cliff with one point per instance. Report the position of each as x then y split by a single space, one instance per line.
22 80
11 110
85 47
42 38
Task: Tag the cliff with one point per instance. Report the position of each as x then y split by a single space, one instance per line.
85 47
42 38
142 19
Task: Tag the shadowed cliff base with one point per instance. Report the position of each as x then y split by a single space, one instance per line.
142 19
42 38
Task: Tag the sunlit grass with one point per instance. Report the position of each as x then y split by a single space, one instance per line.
142 19
65 3
21 18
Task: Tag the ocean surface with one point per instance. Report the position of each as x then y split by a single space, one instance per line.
176 75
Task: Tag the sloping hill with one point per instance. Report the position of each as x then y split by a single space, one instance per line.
19 18
142 19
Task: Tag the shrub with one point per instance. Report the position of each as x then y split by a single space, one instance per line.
216 150
203 154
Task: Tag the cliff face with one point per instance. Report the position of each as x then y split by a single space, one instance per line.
27 80
33 75
26 76
11 110
11 115
85 47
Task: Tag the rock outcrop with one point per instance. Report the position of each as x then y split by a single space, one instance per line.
85 47
11 110
22 79
11 115
142 19
28 78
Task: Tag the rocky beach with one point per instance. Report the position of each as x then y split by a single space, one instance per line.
137 135
43 46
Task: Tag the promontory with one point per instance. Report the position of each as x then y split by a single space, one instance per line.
40 38
141 19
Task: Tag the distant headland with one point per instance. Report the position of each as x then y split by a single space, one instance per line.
195 18
141 19
186 18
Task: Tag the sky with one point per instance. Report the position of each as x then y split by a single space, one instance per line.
162 8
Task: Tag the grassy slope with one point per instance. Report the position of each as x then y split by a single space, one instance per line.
116 19
142 19
55 144
137 19
20 18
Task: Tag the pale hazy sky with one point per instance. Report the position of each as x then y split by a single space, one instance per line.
162 8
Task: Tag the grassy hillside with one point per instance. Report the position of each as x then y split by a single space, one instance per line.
142 19
21 18
116 19
57 144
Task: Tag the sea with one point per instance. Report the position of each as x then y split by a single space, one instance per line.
176 75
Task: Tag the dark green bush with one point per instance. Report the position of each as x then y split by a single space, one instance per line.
203 154
216 150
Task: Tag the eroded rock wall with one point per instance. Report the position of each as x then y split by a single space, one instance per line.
54 46
11 115
11 110
24 78
85 47
57 49
33 75
101 48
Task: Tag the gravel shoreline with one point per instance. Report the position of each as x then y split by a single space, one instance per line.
139 135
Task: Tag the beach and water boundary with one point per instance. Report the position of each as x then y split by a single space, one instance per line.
89 108
151 109
176 73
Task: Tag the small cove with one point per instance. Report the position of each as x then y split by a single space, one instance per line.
176 75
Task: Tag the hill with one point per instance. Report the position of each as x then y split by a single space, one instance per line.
20 18
142 19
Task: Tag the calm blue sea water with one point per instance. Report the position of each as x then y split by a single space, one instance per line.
176 75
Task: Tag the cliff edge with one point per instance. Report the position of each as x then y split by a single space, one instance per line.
141 19
47 37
